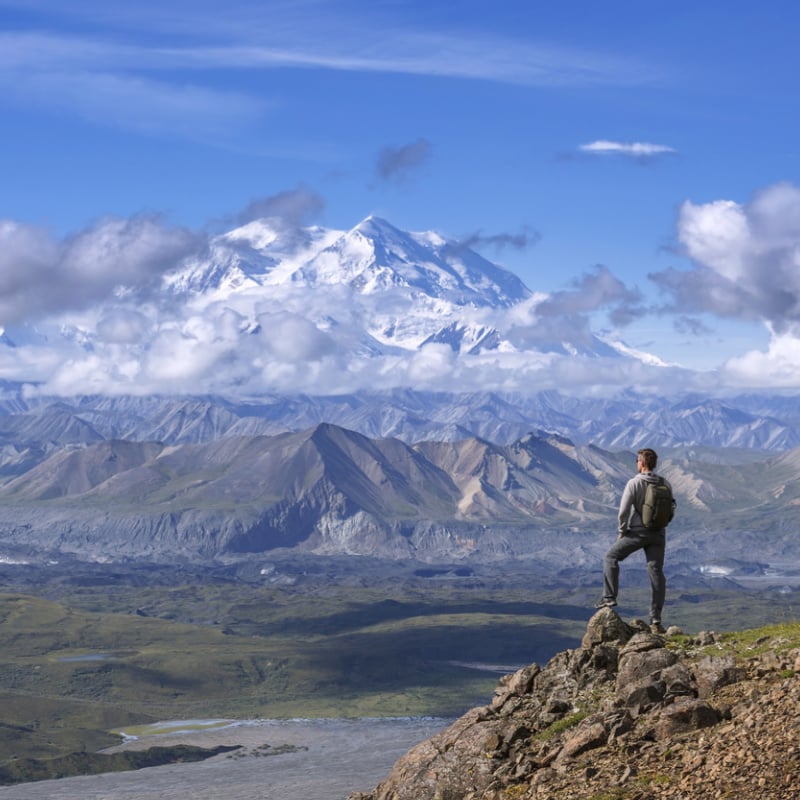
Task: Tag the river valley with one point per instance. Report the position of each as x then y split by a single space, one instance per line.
322 759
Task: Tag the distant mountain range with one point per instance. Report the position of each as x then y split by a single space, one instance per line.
267 306
31 426
329 490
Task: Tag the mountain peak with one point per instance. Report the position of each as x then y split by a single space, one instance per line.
375 257
373 225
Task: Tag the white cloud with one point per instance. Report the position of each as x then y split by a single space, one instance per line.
283 337
292 338
746 259
122 326
778 367
34 364
197 360
716 235
746 266
42 275
94 373
431 365
178 358
636 150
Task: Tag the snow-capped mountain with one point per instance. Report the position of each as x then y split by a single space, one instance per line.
402 290
270 308
260 253
375 256
469 339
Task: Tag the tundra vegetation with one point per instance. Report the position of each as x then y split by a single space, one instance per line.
86 650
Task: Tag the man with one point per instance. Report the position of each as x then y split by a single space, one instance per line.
633 536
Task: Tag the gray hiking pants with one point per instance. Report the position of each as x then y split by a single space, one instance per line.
653 543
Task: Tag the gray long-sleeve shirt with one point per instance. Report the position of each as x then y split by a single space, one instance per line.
632 499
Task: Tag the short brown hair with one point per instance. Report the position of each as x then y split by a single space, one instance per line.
648 457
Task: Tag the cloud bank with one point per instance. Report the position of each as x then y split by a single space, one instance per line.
100 311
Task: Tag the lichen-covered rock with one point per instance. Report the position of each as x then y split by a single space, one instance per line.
514 686
606 626
713 672
585 737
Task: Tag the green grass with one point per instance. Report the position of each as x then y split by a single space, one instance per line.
70 676
748 643
83 763
561 725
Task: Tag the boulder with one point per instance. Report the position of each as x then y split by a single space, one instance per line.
606 626
587 736
623 702
686 714
714 672
640 683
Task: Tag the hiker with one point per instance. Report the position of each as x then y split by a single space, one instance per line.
641 527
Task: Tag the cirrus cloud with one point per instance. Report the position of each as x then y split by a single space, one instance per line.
642 151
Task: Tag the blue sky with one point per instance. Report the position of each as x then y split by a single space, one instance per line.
657 142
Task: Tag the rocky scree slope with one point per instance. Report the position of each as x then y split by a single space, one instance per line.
629 715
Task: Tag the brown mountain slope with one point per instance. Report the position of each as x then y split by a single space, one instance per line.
76 470
627 716
332 490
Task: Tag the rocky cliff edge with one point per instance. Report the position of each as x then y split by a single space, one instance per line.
629 715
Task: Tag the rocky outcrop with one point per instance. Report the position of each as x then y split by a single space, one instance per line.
629 714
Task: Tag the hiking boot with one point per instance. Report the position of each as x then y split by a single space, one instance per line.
605 603
657 627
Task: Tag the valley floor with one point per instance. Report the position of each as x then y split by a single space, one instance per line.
278 760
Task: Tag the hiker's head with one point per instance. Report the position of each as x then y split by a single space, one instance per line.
648 458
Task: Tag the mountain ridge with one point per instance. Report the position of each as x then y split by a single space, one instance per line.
635 420
330 490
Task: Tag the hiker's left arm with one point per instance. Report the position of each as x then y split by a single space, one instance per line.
625 505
